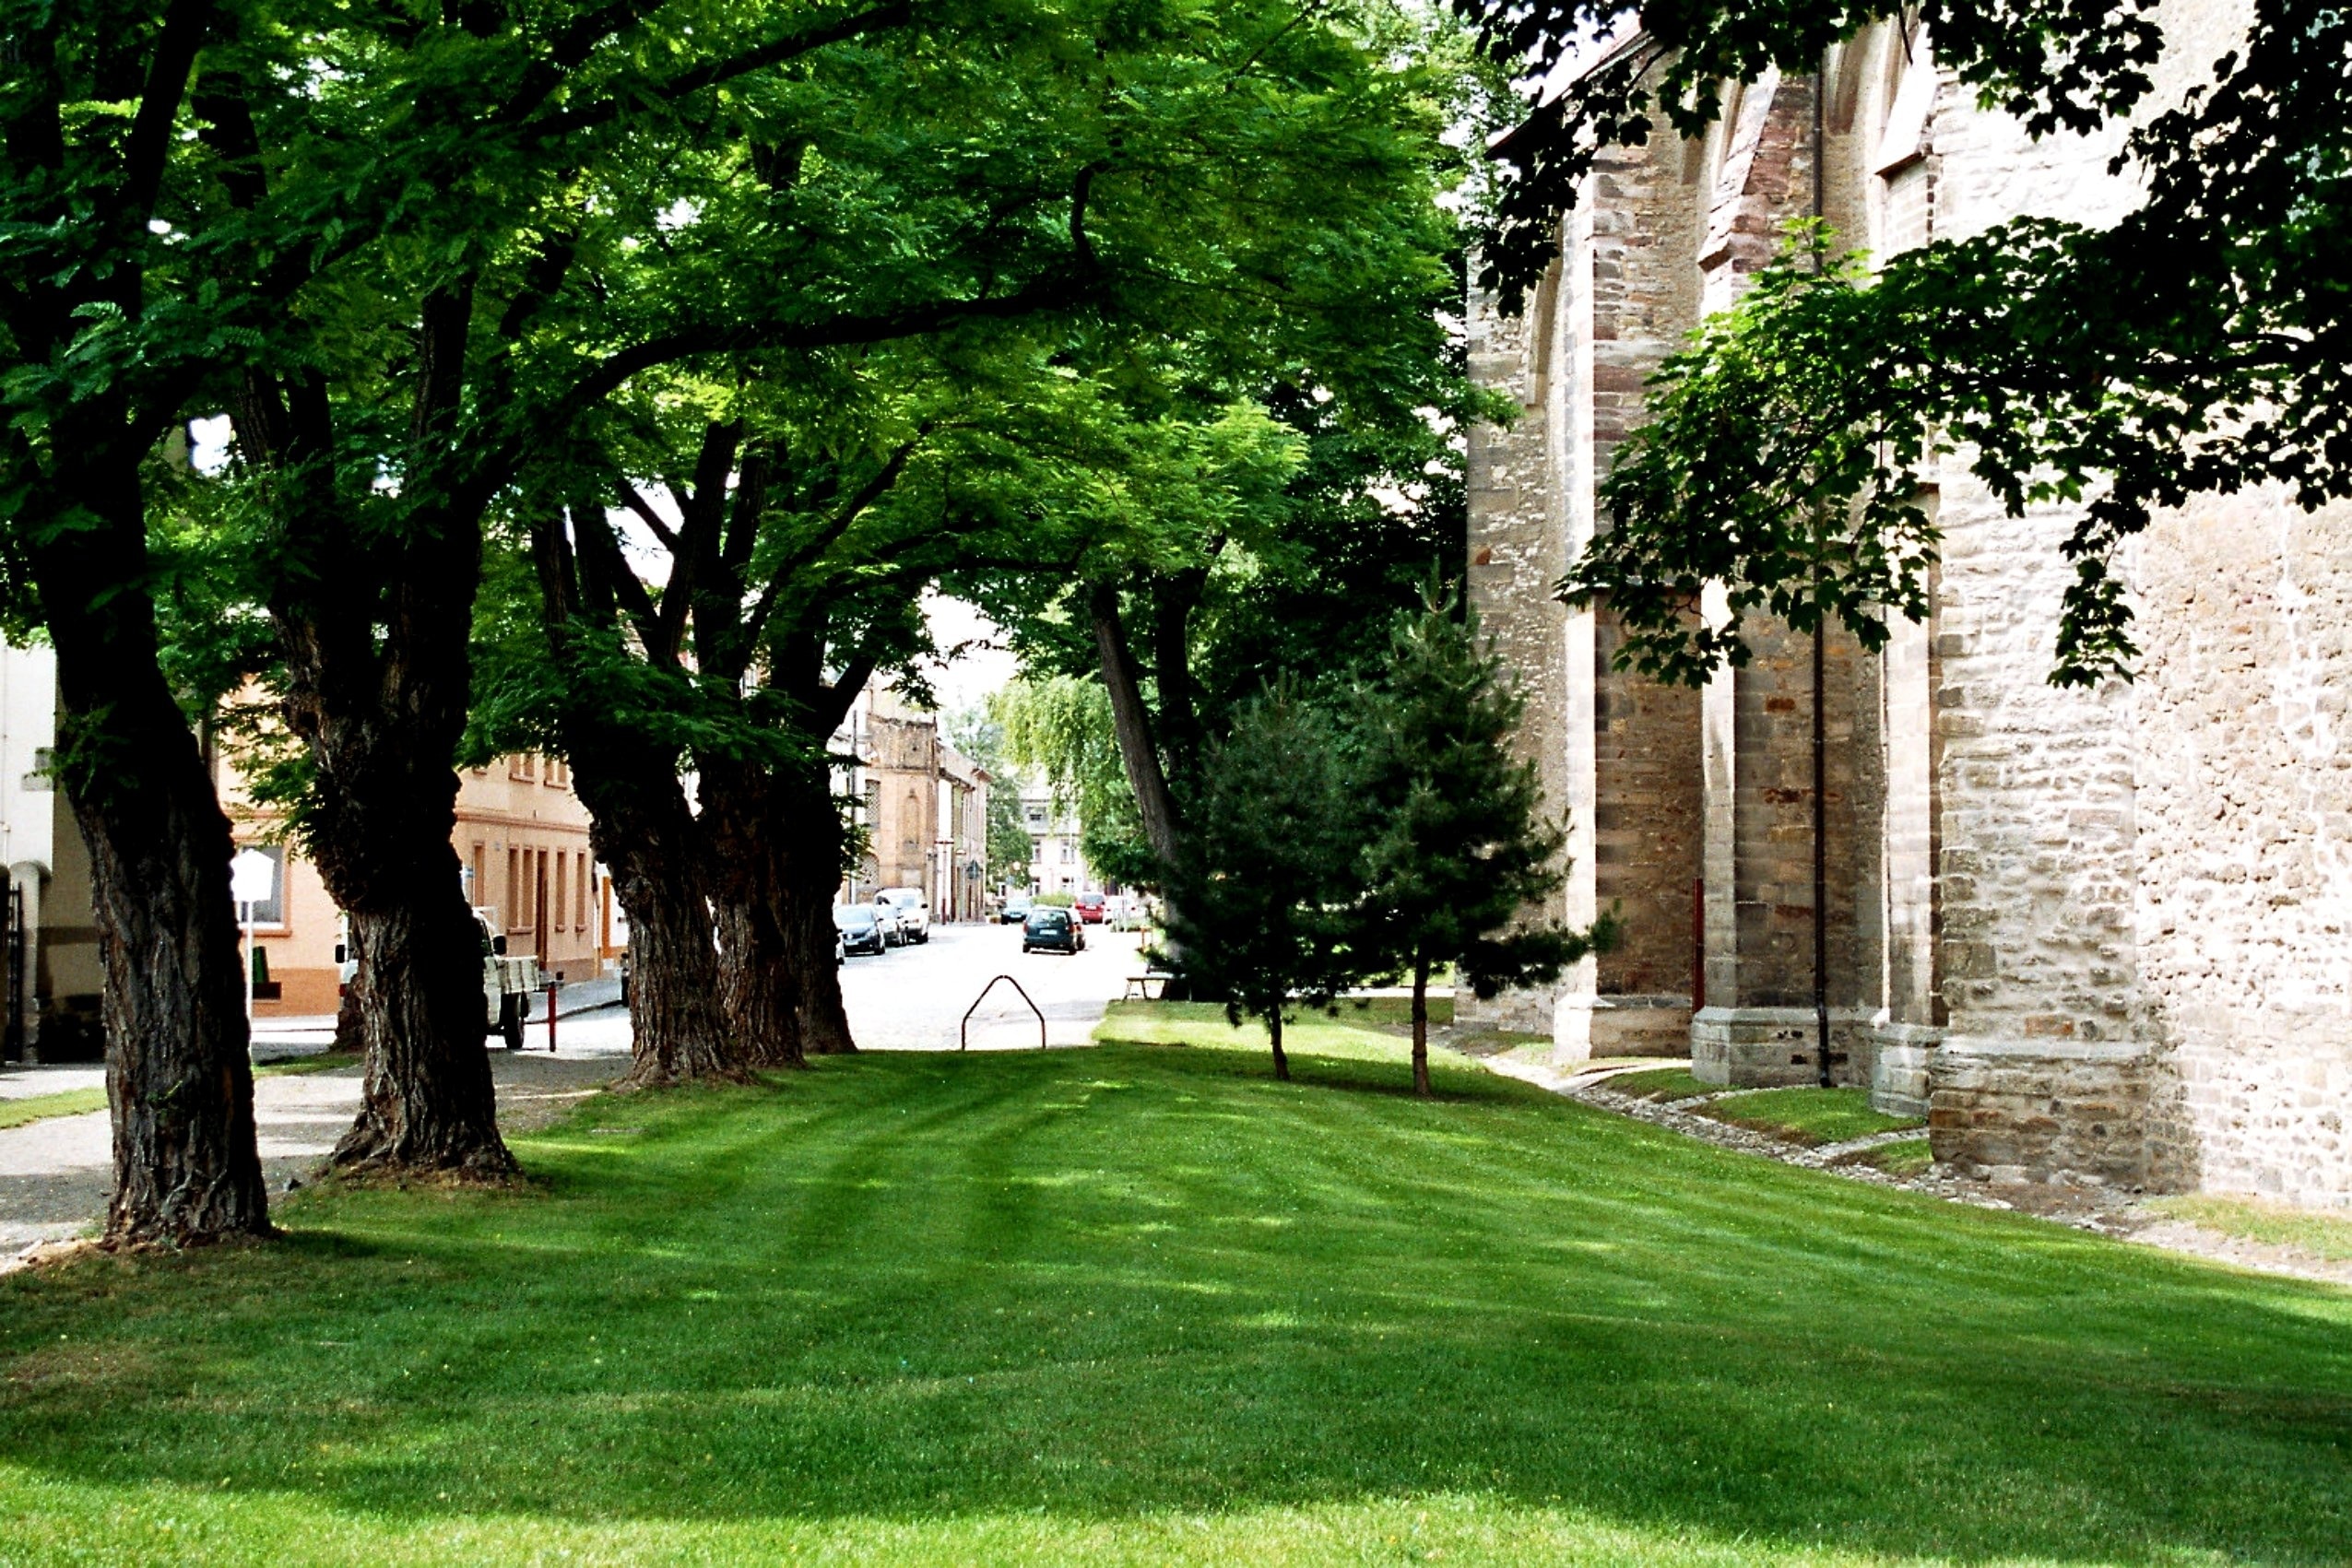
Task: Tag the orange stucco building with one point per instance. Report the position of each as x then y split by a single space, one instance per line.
522 846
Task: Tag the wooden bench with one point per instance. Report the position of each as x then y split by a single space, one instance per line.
1146 986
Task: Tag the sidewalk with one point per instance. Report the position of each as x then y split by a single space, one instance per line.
56 1175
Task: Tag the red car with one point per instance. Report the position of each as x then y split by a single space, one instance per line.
1090 908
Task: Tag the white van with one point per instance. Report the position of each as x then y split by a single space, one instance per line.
913 912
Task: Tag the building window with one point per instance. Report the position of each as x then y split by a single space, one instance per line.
476 892
522 766
510 917
561 903
580 890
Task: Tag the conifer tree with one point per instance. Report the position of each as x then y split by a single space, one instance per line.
1458 848
1259 912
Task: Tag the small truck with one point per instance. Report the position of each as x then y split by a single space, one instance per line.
508 984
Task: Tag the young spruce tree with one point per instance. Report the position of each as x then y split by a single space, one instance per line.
1459 849
1259 917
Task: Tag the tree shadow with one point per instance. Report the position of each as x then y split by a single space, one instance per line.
914 1289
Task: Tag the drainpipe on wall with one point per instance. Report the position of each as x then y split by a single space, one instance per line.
1820 682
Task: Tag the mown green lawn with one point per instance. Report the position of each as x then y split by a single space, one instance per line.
33 1108
1141 1305
1807 1116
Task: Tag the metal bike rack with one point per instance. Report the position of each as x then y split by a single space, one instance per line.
963 1030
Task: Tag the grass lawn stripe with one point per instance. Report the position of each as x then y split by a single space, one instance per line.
1144 1304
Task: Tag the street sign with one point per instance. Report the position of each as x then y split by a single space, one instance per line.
971 870
253 876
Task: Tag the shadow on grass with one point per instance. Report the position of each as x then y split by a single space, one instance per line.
1098 1285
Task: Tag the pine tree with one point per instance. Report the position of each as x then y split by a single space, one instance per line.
1258 917
1459 849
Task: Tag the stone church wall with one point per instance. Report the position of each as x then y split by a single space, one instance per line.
2097 936
2242 903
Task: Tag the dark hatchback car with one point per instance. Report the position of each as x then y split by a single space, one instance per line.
860 928
1052 930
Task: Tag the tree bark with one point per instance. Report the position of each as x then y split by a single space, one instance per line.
641 827
1132 722
375 630
179 1076
1421 1029
642 830
805 836
1274 1034
772 837
759 982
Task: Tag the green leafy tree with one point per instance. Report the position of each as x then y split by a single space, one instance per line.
1460 850
1060 728
2116 368
1259 912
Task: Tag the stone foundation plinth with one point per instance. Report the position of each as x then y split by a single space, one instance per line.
1766 1047
2041 1110
1899 1067
1636 1026
1517 1012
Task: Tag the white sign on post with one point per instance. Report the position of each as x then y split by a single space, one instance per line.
253 878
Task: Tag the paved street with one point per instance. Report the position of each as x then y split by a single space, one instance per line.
910 999
53 1174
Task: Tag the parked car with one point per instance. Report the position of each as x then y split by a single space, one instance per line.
859 928
1050 929
913 912
1092 908
1015 910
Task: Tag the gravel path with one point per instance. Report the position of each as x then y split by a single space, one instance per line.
56 1175
2111 1213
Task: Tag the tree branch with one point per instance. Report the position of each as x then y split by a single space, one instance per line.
714 73
184 23
635 501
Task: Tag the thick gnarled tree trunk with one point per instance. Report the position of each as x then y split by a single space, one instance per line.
428 1104
179 1078
643 830
804 838
759 979
374 624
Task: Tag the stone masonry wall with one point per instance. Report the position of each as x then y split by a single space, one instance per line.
2243 913
1638 240
1516 554
2043 1069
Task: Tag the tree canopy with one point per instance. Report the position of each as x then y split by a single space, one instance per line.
2198 345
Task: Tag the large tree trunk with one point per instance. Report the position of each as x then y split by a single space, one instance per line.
179 1078
1154 801
642 829
375 630
805 838
1275 1035
428 1104
758 980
